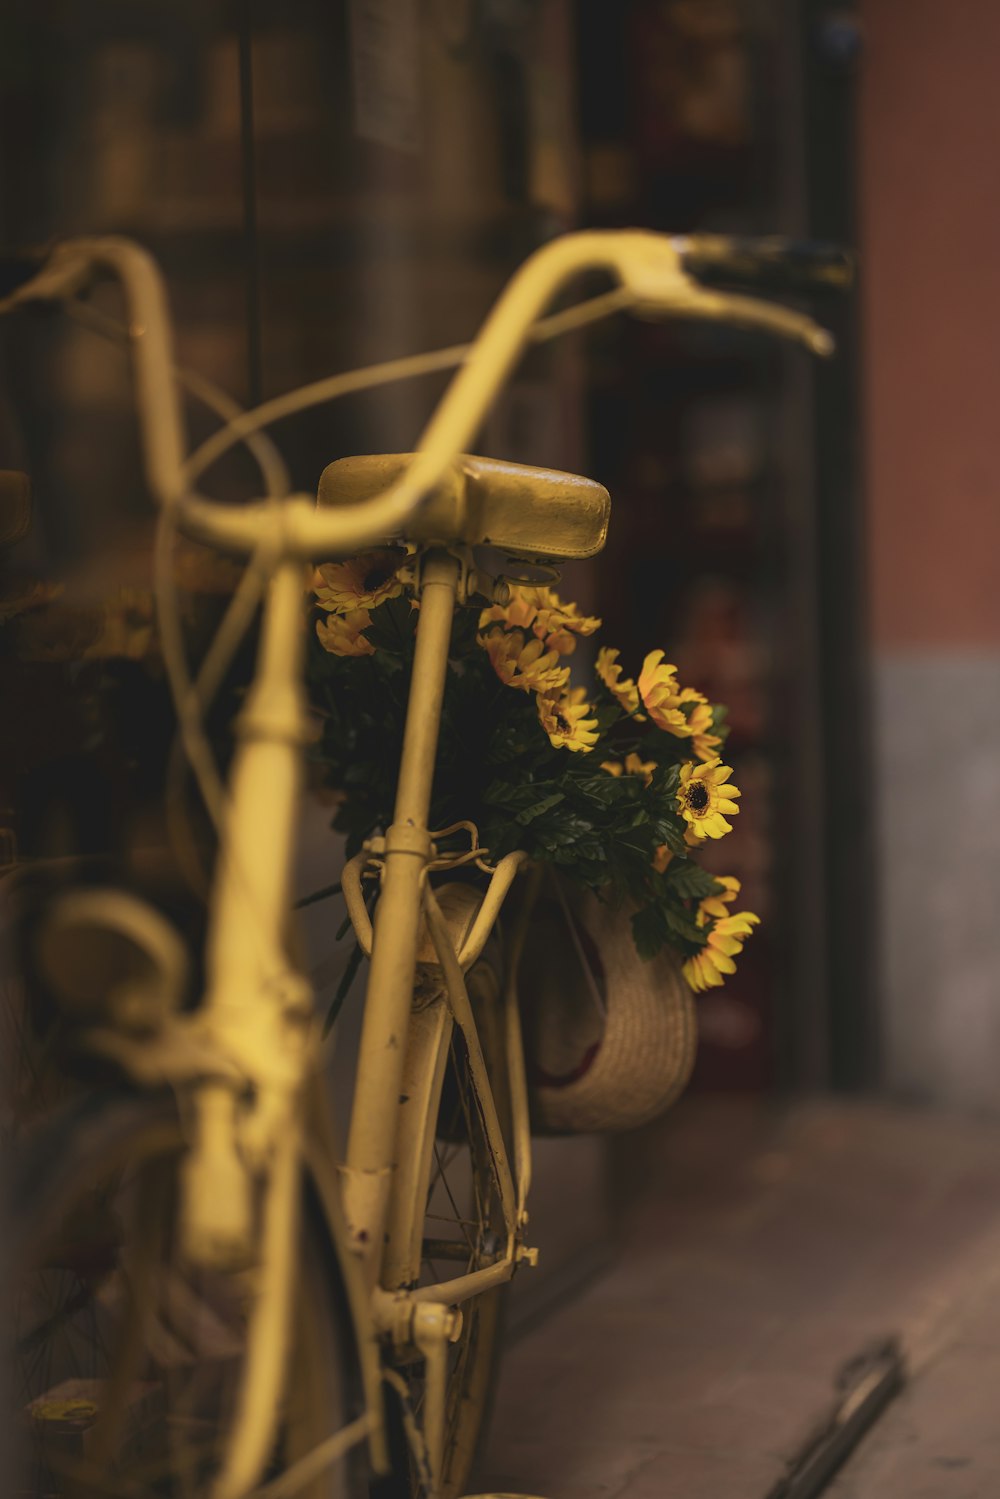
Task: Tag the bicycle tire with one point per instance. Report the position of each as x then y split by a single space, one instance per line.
110 1152
458 1132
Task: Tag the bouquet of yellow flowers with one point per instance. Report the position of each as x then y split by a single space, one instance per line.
618 784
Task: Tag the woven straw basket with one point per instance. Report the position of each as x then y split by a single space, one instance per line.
610 1040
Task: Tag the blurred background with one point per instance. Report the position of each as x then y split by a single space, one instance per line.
332 182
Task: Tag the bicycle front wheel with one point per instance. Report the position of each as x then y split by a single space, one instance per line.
126 1361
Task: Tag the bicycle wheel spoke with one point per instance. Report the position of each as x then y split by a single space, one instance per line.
439 1166
447 1218
464 1092
451 1199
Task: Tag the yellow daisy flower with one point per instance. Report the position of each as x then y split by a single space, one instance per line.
563 716
634 766
541 610
529 667
680 711
704 796
709 968
610 673
364 582
341 634
659 690
699 723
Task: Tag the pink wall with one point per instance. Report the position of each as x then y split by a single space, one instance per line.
930 241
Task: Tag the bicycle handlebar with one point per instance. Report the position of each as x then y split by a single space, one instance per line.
650 269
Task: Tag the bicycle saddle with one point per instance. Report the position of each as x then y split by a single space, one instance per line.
536 513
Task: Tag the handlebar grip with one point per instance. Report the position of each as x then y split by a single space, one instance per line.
773 263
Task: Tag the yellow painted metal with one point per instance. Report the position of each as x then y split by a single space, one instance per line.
458 998
255 1008
496 893
350 882
321 1151
520 1113
455 927
527 512
416 1119
256 1018
647 267
484 917
461 1288
446 1173
433 1328
259 1399
407 850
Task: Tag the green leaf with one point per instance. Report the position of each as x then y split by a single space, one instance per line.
538 808
680 924
602 790
691 882
671 832
648 932
637 840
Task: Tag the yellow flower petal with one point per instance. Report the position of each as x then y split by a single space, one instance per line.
540 609
728 945
717 905
363 582
341 634
701 973
564 718
659 690
722 963
622 688
525 666
634 766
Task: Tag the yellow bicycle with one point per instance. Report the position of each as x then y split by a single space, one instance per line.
212 1299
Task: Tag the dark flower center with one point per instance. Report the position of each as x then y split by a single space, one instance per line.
562 724
376 576
697 796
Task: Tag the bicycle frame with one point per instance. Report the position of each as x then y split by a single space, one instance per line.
256 1021
405 895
